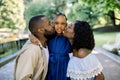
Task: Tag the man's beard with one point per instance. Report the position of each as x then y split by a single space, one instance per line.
49 35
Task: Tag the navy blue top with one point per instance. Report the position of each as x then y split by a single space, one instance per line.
59 49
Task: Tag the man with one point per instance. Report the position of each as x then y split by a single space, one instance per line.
32 62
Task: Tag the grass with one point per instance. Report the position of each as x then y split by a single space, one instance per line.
103 38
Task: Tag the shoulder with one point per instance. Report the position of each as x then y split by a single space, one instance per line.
30 50
33 48
91 57
66 38
29 45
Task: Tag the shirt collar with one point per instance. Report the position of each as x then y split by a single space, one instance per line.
40 44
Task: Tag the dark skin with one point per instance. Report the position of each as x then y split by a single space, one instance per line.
81 53
59 23
44 28
100 77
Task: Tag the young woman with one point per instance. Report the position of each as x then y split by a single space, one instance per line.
83 65
59 49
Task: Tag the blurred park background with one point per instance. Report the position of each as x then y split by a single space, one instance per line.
103 16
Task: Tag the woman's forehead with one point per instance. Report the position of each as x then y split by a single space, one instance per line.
60 18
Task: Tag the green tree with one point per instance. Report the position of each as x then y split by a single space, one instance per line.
47 7
106 7
58 5
27 2
11 15
1 3
38 8
82 12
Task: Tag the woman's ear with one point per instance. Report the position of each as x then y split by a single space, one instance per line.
66 24
73 35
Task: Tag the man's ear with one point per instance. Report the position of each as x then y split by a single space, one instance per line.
53 24
41 30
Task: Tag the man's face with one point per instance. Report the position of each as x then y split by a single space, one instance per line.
69 31
59 24
49 31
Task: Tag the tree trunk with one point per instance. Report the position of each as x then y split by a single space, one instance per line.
112 17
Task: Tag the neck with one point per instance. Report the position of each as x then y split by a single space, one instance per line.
59 34
81 53
83 50
43 40
70 40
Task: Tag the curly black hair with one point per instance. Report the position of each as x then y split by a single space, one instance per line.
83 37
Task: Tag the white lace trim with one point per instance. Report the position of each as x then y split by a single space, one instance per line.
86 74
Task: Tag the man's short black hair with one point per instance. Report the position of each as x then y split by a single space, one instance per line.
83 37
33 23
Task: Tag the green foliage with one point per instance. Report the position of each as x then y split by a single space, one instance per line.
92 10
27 2
38 8
1 3
82 12
45 7
103 38
103 5
11 13
58 5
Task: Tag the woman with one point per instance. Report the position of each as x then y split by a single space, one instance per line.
83 65
59 49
